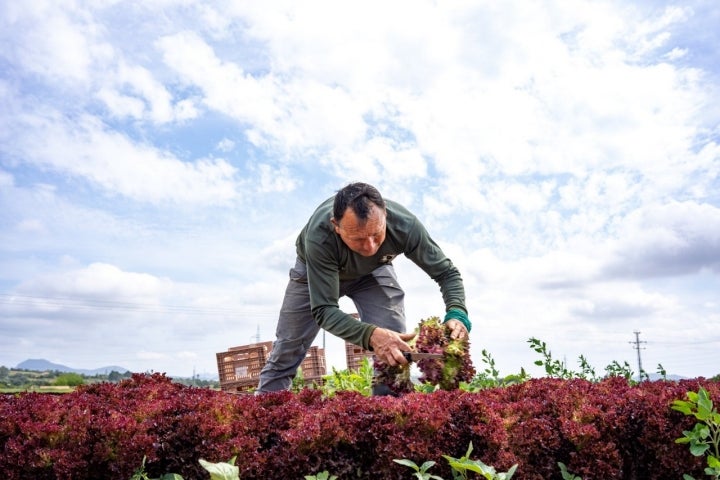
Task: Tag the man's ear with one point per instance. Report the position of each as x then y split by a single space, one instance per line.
335 224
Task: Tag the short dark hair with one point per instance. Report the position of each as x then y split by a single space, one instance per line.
359 197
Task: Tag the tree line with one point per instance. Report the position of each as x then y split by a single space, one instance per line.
20 379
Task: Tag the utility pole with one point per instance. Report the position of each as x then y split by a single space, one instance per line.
637 347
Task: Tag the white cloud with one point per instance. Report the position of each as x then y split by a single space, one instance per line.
226 87
302 114
651 34
121 105
400 161
225 145
275 179
52 42
676 53
619 302
470 123
151 355
676 238
136 93
6 179
141 81
186 355
86 148
186 109
98 280
31 225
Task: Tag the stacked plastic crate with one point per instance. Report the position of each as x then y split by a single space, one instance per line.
239 367
354 356
313 367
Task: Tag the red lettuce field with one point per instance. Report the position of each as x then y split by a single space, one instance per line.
600 430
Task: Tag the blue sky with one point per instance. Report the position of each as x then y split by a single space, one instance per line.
157 160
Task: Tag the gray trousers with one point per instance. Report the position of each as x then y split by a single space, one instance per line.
378 298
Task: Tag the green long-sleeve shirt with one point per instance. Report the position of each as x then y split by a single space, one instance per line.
329 261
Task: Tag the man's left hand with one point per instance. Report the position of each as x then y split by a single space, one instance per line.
457 329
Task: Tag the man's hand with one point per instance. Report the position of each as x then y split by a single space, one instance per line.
457 329
389 346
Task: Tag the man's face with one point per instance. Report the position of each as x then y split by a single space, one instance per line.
362 238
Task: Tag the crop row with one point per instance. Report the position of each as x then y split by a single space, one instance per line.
610 429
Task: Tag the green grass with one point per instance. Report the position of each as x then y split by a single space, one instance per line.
38 389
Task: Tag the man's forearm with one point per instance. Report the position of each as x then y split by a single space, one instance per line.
452 289
343 325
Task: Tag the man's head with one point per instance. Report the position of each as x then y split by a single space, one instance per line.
359 218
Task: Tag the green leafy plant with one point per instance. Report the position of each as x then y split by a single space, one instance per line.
141 474
218 471
430 388
553 368
222 470
704 438
556 369
461 466
349 380
321 476
490 377
298 381
615 369
421 472
565 474
587 372
490 371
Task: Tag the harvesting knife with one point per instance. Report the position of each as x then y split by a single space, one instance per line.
415 356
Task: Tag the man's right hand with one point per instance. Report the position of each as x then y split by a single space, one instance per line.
389 346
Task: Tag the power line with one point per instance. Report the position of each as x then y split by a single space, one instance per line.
685 343
96 304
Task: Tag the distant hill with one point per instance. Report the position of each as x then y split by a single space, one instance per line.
41 365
